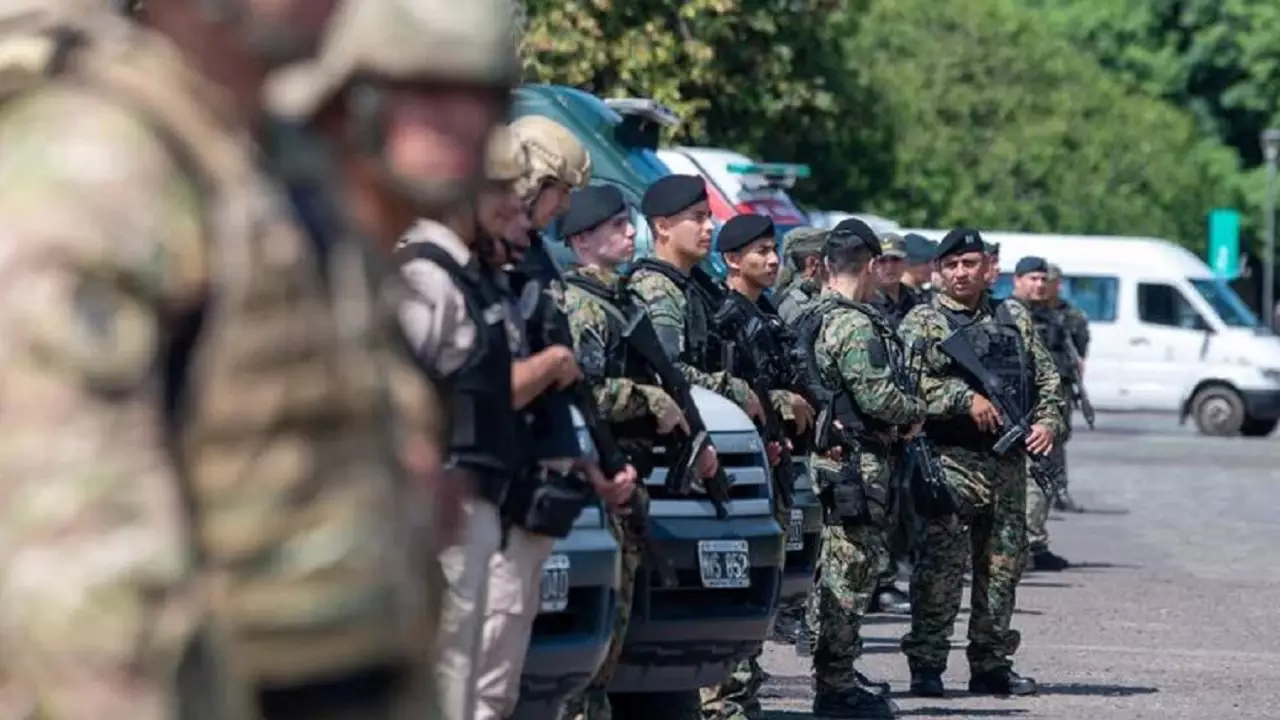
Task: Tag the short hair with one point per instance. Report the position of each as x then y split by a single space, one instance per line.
847 254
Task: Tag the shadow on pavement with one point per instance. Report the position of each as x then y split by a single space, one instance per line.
1045 584
1102 566
1098 690
946 712
1018 611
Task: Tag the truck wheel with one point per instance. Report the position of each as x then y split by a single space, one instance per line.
1253 427
1219 411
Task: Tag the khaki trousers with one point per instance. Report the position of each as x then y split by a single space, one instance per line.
515 589
466 569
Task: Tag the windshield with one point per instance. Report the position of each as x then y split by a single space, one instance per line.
1225 302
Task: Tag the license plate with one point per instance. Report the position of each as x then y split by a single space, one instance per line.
795 531
555 584
724 563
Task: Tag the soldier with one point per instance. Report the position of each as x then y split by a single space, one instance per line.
749 249
1029 289
893 299
598 229
854 352
990 488
679 297
181 303
917 271
1076 324
801 250
992 273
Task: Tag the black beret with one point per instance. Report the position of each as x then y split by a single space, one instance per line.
1031 264
855 228
673 194
742 230
919 248
589 208
959 242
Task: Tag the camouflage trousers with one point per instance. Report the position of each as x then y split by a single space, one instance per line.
897 533
849 563
993 542
1038 501
593 702
737 698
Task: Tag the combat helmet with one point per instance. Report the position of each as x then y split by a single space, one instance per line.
505 158
554 155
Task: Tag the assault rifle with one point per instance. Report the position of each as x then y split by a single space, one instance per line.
932 495
749 367
1015 424
1079 396
682 465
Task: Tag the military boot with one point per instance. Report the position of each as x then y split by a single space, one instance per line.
891 600
927 683
875 687
1047 561
1002 682
853 703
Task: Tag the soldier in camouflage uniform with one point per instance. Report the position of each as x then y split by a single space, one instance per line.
853 354
178 300
802 275
963 424
917 272
1030 289
1076 324
749 249
598 229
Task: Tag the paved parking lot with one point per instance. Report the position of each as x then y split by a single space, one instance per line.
1172 610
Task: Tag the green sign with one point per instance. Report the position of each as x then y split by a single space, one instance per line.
1224 242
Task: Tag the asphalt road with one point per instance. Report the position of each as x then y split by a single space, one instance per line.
1172 610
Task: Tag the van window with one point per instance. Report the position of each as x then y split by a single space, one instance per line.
1004 286
1095 295
1225 302
1161 304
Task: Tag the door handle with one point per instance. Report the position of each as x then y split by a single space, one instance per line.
1139 341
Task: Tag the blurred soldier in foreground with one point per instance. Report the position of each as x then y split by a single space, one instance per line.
802 274
598 229
1030 289
1076 324
764 354
970 417
410 93
162 287
855 353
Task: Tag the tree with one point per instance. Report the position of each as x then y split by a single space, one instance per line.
764 77
1000 123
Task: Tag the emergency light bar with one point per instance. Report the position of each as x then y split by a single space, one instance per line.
646 108
769 175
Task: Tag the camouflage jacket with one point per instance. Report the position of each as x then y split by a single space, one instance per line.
850 354
620 399
795 297
946 393
665 303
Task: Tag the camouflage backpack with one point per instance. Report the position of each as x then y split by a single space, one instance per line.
277 396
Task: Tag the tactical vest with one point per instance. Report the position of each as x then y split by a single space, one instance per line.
1000 346
703 348
894 311
1053 333
614 358
277 403
486 437
809 327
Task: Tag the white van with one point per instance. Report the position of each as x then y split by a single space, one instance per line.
1167 335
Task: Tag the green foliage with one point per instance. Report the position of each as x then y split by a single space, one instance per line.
932 113
1000 123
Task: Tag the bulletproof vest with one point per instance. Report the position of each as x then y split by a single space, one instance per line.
611 358
794 299
278 409
1000 346
485 437
1053 333
809 326
703 347
895 310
